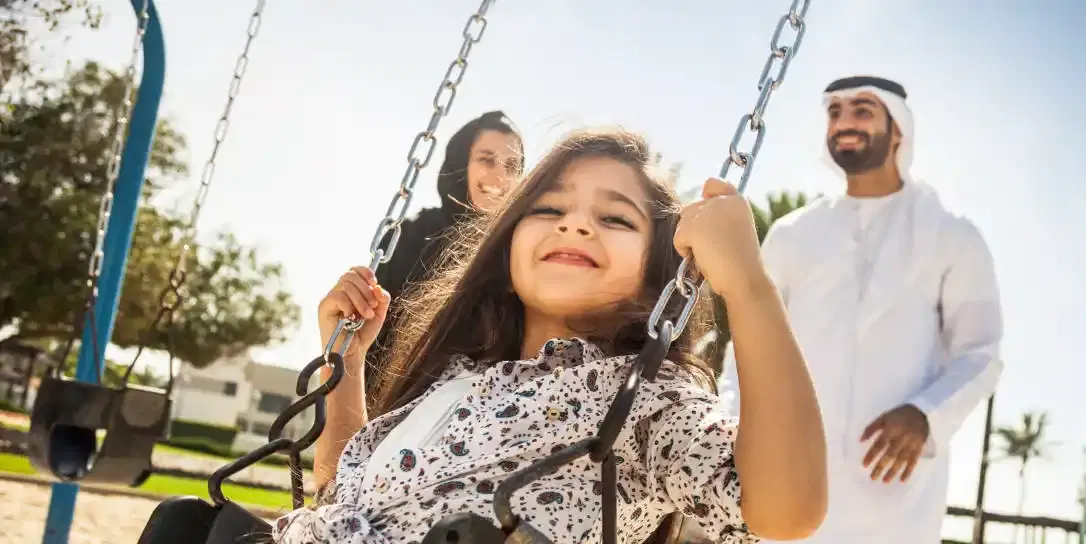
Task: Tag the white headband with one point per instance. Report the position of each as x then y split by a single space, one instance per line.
903 118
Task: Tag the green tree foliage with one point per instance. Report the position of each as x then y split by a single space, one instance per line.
17 41
54 150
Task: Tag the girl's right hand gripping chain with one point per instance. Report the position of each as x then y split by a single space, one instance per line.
718 232
355 295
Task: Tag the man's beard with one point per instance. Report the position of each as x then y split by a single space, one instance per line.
871 154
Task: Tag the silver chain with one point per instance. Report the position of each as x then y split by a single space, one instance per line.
240 66
105 208
170 298
754 122
418 157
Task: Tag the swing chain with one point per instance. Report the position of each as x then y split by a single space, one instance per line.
755 122
390 225
171 298
419 155
120 132
105 206
221 129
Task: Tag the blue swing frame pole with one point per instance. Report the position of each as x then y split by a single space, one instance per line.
117 244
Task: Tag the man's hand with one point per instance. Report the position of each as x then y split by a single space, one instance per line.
900 435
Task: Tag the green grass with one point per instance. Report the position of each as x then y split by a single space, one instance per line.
15 464
174 485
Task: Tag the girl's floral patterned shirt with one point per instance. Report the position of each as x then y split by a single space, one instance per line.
675 453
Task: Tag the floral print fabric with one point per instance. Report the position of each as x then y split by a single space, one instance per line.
675 453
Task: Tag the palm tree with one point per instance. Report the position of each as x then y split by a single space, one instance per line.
779 205
1023 443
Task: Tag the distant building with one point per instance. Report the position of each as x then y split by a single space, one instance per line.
242 394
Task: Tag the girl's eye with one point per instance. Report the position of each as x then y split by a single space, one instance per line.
619 220
545 210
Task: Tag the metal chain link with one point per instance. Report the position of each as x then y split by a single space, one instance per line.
754 122
105 208
221 129
170 298
418 157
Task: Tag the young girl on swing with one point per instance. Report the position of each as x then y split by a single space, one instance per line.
519 347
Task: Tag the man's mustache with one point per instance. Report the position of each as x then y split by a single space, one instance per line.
863 136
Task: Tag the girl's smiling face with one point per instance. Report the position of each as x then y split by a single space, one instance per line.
583 244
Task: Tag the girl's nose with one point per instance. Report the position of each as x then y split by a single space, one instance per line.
565 227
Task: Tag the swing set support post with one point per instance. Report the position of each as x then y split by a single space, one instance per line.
118 241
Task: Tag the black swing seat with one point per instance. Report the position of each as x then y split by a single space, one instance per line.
467 528
190 520
67 415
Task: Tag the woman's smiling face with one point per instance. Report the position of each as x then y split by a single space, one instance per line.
493 166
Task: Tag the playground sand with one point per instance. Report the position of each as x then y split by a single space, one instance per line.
100 518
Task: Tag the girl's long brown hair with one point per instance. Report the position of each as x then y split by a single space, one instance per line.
469 306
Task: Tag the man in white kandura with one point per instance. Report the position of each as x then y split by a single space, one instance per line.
893 299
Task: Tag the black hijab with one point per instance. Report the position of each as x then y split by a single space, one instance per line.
423 236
